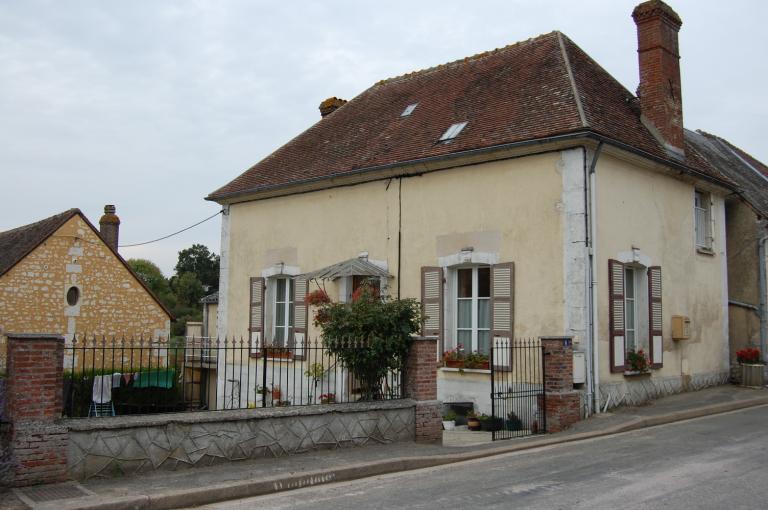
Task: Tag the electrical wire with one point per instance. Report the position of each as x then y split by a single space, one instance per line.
170 235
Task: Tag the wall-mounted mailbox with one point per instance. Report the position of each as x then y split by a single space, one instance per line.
681 327
579 367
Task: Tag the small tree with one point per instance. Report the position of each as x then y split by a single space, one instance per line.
371 335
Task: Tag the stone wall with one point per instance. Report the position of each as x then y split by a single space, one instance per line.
125 445
641 389
112 301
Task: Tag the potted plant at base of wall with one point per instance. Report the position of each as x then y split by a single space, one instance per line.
752 372
449 421
637 363
489 423
328 398
473 423
513 422
276 393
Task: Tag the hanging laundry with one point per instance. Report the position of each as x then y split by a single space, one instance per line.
116 378
102 389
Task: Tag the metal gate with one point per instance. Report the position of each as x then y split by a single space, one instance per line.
518 397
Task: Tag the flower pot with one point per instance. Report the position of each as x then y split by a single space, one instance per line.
473 424
454 363
485 365
276 394
449 425
752 375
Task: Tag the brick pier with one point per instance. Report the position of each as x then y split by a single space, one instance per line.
421 385
34 403
562 402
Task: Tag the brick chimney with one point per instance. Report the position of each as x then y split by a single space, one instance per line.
109 226
661 101
330 105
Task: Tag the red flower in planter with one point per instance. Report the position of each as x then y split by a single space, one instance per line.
749 355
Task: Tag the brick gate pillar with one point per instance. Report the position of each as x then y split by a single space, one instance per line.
421 385
34 403
562 404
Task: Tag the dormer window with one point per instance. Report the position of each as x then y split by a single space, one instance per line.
453 131
409 109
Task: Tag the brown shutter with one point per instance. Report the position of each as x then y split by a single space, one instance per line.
256 314
655 343
616 315
432 303
301 288
502 310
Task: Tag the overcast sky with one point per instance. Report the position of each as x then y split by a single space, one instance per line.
151 105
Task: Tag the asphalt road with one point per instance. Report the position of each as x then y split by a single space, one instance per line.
709 463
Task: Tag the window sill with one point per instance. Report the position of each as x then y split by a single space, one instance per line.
465 370
701 250
634 373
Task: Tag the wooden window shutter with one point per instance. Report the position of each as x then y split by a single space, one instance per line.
256 314
616 315
301 288
502 310
432 303
655 343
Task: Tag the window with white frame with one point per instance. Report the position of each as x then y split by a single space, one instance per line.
282 311
702 219
472 308
635 308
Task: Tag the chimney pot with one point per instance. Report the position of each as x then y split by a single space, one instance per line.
330 105
661 103
109 226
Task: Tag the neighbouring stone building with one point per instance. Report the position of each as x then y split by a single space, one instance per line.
61 275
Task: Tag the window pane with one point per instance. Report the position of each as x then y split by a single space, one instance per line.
290 315
465 339
631 346
291 285
464 313
280 290
279 336
465 283
483 342
629 283
280 314
484 282
483 313
630 313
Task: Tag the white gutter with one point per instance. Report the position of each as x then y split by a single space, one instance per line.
763 304
591 183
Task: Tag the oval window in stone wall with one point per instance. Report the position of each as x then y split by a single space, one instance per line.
73 296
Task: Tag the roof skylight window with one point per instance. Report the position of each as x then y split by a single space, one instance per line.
409 109
453 131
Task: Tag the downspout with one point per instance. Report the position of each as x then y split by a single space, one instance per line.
763 305
591 192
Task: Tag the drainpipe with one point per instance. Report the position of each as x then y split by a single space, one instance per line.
591 188
763 305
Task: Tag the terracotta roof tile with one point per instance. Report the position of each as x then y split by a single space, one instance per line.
18 243
518 93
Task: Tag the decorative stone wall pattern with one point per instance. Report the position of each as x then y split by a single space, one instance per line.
118 446
642 389
112 302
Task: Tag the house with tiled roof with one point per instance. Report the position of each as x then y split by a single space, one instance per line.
517 193
62 275
746 212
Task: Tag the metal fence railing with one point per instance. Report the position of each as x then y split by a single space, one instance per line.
518 394
106 377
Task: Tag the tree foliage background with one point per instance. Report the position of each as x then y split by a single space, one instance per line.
196 275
